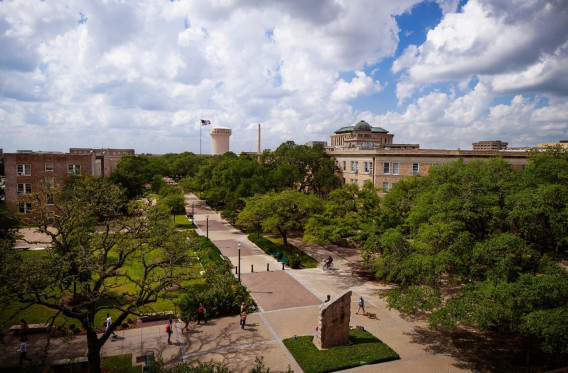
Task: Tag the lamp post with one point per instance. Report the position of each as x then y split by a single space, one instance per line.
207 222
192 212
239 267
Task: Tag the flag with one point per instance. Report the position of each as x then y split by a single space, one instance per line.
205 122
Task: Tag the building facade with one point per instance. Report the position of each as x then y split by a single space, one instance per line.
219 140
106 160
494 145
385 163
32 173
29 173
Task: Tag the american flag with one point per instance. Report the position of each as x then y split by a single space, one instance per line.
205 122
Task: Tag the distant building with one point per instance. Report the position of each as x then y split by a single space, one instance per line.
106 160
219 140
562 143
494 145
28 172
365 153
312 143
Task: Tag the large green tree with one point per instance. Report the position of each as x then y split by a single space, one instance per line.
103 257
281 213
470 244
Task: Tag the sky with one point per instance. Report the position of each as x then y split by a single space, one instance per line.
142 74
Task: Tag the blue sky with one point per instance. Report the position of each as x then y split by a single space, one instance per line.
141 75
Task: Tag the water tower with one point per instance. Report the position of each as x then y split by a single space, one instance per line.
219 140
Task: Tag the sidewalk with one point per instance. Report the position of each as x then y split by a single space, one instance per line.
288 305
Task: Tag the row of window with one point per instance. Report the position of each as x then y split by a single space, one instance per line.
26 169
388 167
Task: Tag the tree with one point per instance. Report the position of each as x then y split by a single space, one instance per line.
468 244
347 215
279 212
300 167
94 243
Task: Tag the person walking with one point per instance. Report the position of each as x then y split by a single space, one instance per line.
201 314
23 350
24 329
243 307
361 306
108 323
243 319
169 330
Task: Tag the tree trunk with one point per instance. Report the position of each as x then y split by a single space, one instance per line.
93 352
529 351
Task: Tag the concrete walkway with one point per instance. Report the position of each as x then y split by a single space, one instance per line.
288 303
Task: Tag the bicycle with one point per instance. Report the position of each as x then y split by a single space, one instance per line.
328 265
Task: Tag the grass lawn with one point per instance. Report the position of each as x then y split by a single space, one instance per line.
182 222
366 349
120 363
276 244
39 314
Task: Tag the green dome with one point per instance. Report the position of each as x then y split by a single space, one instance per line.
362 126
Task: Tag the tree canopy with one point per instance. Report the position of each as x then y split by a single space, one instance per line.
478 244
97 239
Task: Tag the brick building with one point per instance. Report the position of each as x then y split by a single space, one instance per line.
106 160
494 145
385 163
28 172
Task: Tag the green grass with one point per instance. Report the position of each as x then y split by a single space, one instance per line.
366 349
182 222
40 314
120 363
268 245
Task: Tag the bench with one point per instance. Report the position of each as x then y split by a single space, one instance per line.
285 260
63 365
149 360
32 328
156 316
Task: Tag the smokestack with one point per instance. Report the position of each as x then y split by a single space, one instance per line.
259 138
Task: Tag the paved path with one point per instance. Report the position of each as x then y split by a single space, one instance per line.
288 305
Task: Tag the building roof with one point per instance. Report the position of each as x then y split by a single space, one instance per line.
361 126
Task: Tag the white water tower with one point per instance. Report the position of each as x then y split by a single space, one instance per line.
219 140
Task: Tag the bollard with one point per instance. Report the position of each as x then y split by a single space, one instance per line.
282 265
267 267
251 268
236 270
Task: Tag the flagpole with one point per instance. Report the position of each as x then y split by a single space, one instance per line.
200 125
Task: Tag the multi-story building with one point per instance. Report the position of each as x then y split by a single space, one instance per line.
385 163
494 145
106 160
28 172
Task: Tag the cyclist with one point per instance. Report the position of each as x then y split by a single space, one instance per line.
328 262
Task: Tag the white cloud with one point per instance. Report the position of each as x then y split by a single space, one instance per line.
362 84
142 74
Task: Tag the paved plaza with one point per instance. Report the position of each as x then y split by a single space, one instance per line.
288 304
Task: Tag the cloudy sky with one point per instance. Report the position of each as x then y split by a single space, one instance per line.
141 74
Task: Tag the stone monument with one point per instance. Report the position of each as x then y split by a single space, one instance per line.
333 323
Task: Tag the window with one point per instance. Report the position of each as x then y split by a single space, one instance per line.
24 188
49 199
24 170
343 180
354 181
50 182
368 167
49 166
354 166
395 168
74 169
386 168
344 166
25 208
392 185
415 169
385 186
